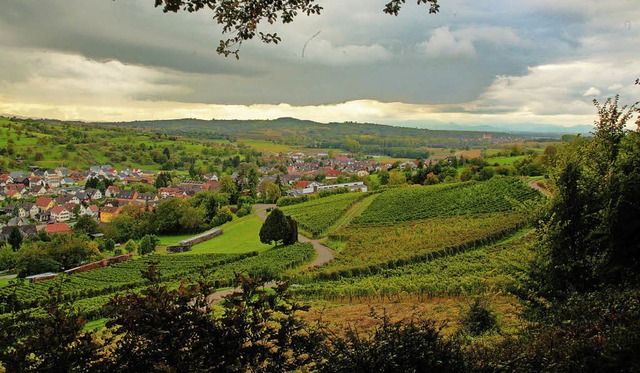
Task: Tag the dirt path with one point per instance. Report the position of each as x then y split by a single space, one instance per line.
355 210
262 210
535 184
325 254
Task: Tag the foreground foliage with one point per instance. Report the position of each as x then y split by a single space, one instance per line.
163 330
590 236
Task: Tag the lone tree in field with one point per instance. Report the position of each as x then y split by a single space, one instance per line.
279 228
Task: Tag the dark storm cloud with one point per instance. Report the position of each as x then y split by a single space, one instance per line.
131 32
489 57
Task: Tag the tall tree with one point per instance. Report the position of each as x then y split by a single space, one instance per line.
15 238
276 228
591 235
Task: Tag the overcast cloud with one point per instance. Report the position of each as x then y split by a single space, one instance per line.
477 62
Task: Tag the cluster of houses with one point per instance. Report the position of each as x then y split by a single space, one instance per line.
48 199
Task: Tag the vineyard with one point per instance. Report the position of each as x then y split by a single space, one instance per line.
373 247
494 268
91 290
405 204
316 216
121 276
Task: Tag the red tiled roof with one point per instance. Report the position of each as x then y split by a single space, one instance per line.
57 228
57 209
43 201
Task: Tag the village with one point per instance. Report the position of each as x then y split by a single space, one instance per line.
53 199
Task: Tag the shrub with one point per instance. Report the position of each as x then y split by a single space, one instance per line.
479 319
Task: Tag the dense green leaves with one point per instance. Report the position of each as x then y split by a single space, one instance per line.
278 228
591 234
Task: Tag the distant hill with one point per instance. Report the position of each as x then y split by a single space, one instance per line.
532 129
369 138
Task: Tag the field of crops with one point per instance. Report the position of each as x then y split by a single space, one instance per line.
404 204
373 246
319 214
495 268
120 276
91 290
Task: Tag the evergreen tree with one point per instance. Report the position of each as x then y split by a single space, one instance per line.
276 228
15 238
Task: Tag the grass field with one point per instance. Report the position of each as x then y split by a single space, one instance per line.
172 240
240 236
505 160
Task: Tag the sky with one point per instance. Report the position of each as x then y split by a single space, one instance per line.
491 62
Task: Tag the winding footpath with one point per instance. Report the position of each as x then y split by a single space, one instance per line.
535 184
325 254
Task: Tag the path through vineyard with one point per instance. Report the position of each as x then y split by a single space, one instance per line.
535 184
325 254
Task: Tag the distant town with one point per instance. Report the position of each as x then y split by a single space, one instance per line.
51 199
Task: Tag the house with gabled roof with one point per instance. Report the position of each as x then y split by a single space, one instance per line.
17 221
112 191
30 210
107 213
5 179
71 207
68 181
16 174
10 209
53 183
128 195
66 198
15 194
15 186
147 197
94 194
60 213
27 230
62 171
43 215
39 190
93 211
45 203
